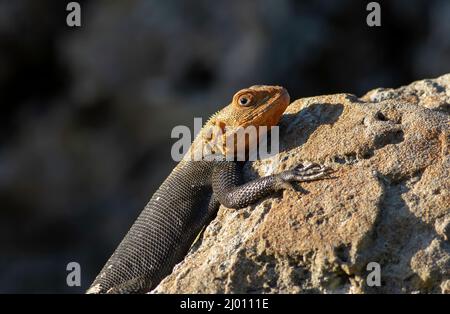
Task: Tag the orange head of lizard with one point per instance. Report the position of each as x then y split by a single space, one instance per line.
258 105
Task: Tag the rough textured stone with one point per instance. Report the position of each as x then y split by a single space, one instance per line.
387 203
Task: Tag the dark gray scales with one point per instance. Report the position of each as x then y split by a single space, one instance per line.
186 201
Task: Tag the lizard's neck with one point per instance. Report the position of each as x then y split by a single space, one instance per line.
219 141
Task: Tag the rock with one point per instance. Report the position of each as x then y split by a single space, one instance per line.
388 202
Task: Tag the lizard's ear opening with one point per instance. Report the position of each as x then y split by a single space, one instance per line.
221 125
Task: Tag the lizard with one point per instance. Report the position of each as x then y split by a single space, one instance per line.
191 195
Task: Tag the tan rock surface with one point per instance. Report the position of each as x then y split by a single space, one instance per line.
388 203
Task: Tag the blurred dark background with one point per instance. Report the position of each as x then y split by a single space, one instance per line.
86 113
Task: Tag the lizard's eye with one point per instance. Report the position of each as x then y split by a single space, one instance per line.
244 100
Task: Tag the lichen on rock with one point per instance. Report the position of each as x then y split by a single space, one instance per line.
388 202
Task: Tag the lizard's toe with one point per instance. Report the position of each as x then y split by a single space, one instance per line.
309 172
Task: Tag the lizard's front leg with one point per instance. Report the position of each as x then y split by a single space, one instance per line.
231 192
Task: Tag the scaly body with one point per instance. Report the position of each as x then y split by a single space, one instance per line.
190 197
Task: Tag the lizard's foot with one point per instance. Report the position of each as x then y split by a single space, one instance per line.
310 172
305 172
